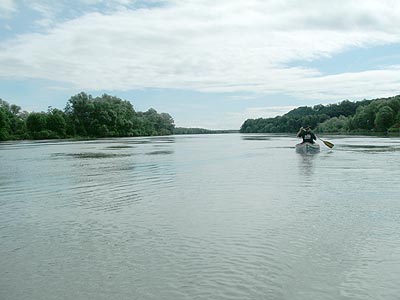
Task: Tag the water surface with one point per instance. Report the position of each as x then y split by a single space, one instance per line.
200 217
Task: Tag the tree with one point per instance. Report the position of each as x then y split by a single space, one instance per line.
4 126
15 109
11 123
78 110
365 117
394 104
384 118
36 122
334 124
55 122
345 115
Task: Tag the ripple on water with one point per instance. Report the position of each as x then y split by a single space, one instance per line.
368 148
259 223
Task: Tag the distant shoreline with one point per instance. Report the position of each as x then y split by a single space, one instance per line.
212 132
185 130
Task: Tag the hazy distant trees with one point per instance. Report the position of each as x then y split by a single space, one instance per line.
196 130
378 115
83 116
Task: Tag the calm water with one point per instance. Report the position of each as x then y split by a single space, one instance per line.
200 217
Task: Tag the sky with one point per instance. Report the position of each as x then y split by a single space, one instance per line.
209 64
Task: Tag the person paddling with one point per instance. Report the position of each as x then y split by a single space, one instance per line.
307 135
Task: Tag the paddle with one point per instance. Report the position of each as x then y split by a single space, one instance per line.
328 144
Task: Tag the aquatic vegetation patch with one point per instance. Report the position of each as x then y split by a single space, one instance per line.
90 155
369 148
256 138
120 147
160 152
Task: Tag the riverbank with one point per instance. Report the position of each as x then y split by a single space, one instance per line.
362 133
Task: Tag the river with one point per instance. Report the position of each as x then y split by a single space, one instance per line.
200 217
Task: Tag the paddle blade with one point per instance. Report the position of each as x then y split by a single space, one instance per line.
328 144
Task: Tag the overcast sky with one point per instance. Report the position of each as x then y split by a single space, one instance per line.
208 63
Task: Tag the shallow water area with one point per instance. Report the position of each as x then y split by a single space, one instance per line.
226 216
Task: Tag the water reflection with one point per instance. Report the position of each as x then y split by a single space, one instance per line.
306 164
370 148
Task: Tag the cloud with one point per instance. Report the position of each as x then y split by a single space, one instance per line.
49 12
7 8
266 112
224 46
233 120
367 84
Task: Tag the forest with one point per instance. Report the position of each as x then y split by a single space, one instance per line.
365 117
83 117
183 130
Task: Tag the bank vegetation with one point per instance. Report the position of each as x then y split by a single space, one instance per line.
84 116
377 116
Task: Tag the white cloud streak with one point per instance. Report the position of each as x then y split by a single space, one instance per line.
232 120
226 46
7 8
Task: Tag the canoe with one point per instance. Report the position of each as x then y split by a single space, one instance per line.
307 148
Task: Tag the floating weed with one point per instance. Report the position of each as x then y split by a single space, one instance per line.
89 155
119 147
160 152
256 138
369 148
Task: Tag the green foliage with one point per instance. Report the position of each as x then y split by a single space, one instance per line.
378 115
365 117
110 116
334 125
84 116
56 123
285 123
78 110
12 121
4 125
384 118
36 122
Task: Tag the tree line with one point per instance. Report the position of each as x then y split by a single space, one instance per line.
83 116
184 130
367 116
